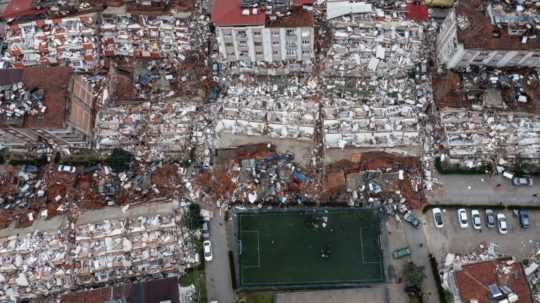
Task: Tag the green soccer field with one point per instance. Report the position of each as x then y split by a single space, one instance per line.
307 248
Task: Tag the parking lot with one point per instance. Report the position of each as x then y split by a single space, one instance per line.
451 238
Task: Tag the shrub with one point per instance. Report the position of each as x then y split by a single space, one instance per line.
446 169
119 160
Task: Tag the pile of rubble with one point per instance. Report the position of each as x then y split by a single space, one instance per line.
258 174
16 101
69 40
496 113
123 248
533 274
150 131
47 263
491 134
34 264
142 36
277 110
375 77
376 179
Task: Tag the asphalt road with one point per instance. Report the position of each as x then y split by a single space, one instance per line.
218 273
420 256
452 238
479 189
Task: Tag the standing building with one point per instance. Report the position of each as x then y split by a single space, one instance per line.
256 33
491 33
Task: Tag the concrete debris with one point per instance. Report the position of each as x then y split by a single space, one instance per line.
277 110
16 101
69 40
47 263
144 36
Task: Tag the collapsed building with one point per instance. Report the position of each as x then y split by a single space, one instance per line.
142 36
274 109
490 32
150 131
375 77
68 40
93 252
489 115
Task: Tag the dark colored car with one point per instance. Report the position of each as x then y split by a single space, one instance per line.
411 219
524 219
490 218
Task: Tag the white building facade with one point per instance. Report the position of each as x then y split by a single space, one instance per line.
252 44
453 53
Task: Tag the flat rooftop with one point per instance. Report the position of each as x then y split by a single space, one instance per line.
479 32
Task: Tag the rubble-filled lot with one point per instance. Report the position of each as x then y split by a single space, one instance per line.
131 243
70 40
274 107
495 115
29 192
144 36
148 130
374 78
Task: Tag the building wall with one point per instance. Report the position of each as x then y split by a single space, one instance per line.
259 44
81 112
453 54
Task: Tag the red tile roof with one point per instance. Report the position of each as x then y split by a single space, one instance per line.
20 8
229 13
417 12
474 279
302 2
297 18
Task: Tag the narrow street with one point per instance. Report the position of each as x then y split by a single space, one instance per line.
218 272
420 256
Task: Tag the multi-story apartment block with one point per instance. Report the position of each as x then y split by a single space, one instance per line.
490 33
254 35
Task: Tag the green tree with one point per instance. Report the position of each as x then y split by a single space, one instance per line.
414 275
193 217
120 160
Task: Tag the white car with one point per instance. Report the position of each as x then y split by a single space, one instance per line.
207 251
502 224
67 169
462 218
438 217
475 218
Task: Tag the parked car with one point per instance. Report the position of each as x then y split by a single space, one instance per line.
462 218
411 219
67 169
490 218
207 245
502 223
401 252
524 219
205 231
522 181
438 217
475 218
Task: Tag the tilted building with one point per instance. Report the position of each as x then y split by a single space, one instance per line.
491 33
